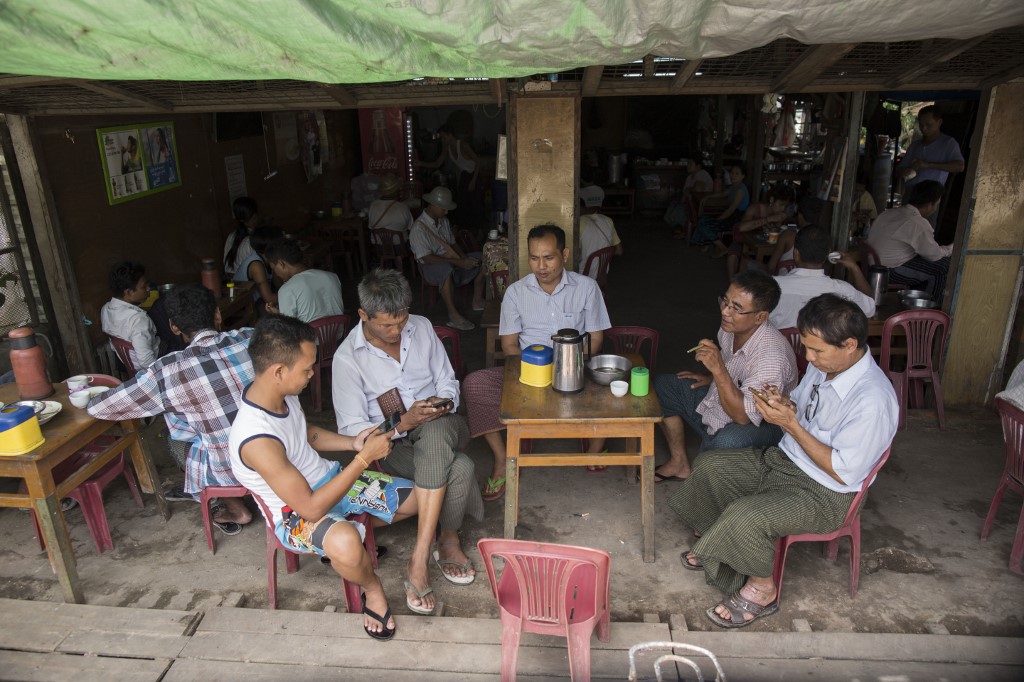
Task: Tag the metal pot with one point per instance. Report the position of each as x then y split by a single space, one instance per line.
568 351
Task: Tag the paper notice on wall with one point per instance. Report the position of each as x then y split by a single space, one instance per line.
501 167
235 168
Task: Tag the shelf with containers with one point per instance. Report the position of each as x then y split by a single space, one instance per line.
656 185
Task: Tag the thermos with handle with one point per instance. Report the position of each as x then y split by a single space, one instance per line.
29 365
568 351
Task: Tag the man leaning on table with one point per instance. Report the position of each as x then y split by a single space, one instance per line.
391 349
533 309
198 391
838 423
719 406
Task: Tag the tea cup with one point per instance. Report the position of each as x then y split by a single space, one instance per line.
619 388
80 398
78 382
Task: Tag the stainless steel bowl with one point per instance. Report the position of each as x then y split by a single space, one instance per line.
37 405
914 293
919 303
604 369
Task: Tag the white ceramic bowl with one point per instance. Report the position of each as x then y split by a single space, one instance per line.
619 388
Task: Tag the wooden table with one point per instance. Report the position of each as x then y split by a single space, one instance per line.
66 434
890 306
239 310
490 321
757 246
593 413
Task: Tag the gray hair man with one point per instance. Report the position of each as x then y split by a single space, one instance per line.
393 362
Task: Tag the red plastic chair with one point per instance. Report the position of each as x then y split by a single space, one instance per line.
869 257
598 263
89 494
391 249
632 339
291 558
453 347
123 350
923 348
549 589
1013 477
207 494
792 335
329 333
850 528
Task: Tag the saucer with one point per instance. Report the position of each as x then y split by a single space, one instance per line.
52 409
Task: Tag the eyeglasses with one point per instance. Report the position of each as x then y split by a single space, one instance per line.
812 404
724 304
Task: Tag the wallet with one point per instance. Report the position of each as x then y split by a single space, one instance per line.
391 403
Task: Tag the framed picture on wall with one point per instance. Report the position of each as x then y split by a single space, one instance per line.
138 160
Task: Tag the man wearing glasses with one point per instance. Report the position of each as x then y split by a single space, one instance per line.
838 423
718 406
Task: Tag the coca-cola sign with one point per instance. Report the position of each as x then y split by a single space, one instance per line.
382 140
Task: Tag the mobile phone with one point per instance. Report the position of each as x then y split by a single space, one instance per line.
391 422
442 403
759 393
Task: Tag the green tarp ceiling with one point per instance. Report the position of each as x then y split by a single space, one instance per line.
363 41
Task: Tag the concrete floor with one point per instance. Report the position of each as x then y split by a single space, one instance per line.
924 567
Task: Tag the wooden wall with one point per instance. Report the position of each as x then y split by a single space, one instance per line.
990 250
170 231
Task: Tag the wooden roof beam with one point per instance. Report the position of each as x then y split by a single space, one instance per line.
499 89
592 80
809 65
1004 76
927 61
340 94
118 92
10 82
685 73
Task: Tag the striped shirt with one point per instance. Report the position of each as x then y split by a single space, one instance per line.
534 314
198 391
766 358
422 243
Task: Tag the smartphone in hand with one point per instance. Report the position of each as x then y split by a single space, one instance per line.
390 423
442 404
759 394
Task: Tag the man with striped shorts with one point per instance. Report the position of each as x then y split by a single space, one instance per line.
391 350
837 423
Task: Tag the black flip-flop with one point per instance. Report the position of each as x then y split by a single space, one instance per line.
228 527
737 606
699 566
661 478
385 634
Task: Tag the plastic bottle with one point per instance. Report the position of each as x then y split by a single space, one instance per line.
210 276
231 289
29 365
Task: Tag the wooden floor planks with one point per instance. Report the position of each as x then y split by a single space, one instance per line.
52 667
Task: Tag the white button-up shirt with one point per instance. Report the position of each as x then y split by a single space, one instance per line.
528 310
422 243
130 323
803 284
901 233
856 413
362 372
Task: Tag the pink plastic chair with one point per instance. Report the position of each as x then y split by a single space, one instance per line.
453 347
850 527
329 333
207 494
921 328
123 350
632 339
1013 477
549 589
792 335
598 263
89 494
291 558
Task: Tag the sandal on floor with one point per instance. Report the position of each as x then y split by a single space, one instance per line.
685 558
226 527
738 606
599 469
495 489
417 608
454 579
385 634
461 325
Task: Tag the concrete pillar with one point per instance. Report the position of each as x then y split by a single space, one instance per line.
987 258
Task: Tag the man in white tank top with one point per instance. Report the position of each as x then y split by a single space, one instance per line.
274 454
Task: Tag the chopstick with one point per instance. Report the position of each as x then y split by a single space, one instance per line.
694 348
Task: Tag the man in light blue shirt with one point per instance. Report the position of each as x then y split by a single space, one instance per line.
533 309
838 423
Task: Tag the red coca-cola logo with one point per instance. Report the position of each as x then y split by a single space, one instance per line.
387 163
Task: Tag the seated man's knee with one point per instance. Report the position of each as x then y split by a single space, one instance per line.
462 470
344 544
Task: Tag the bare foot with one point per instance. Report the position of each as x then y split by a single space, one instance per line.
762 596
377 602
668 471
234 510
419 576
449 549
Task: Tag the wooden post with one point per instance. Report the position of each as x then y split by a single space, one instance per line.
841 210
987 257
720 131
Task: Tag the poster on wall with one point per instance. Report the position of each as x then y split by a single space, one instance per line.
382 137
138 160
312 141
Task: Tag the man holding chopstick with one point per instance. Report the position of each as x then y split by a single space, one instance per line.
718 406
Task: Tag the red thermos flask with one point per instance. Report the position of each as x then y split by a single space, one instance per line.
210 276
29 365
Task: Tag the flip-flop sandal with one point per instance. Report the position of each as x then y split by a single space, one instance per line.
685 558
737 606
454 579
463 326
385 634
600 469
496 488
228 527
661 478
417 608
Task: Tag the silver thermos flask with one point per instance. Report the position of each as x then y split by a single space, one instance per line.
568 360
878 279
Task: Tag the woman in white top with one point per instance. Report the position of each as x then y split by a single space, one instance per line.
237 247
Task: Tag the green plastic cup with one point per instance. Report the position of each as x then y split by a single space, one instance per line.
639 381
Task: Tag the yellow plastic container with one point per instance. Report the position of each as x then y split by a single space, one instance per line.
19 430
537 366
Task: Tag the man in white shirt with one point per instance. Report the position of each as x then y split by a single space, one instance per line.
442 262
808 279
387 212
307 293
905 242
837 423
597 232
122 318
392 351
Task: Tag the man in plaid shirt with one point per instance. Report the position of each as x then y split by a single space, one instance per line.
198 391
